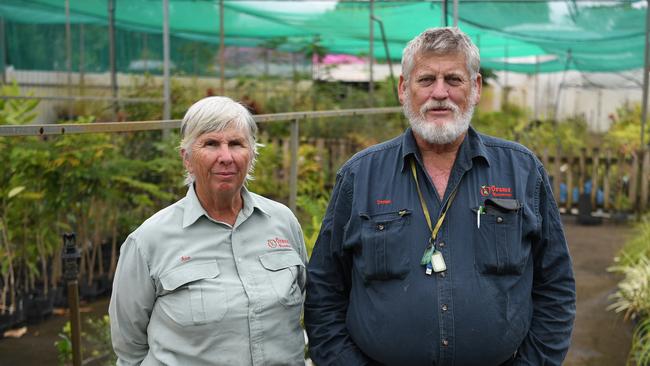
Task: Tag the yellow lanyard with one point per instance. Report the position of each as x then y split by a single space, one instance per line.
426 258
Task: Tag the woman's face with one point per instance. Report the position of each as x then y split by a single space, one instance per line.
219 162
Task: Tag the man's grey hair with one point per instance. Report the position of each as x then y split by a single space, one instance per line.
215 114
441 41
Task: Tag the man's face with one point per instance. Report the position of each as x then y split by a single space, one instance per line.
439 97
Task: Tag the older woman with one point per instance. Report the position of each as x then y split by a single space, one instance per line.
217 278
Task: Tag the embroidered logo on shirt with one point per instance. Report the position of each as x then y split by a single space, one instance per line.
278 243
185 258
495 191
384 202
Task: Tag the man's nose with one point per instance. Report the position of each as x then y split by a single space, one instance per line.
439 90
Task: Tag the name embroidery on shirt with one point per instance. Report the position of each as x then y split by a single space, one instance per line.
185 258
383 202
495 191
278 243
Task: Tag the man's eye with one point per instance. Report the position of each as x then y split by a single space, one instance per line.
454 80
426 81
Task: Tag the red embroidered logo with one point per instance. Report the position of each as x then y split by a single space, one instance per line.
384 202
185 258
496 191
278 243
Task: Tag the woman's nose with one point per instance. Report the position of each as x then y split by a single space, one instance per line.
224 155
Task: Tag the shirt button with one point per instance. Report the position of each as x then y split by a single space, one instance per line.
499 220
380 227
441 244
445 342
444 307
443 274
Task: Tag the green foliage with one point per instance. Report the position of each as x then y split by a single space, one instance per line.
96 343
16 111
633 293
313 211
640 349
64 345
266 182
511 123
624 136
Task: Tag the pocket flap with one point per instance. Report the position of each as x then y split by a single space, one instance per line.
505 204
276 261
189 272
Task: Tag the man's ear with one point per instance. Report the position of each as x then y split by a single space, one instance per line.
478 86
401 89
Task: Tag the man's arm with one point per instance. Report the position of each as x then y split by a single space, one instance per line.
328 287
553 294
131 304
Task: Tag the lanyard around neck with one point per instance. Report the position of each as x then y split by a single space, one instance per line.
441 219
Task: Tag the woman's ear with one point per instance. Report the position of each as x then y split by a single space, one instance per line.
186 160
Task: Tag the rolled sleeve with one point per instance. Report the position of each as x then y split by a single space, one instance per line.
131 304
554 293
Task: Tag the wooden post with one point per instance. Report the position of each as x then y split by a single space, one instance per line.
321 155
557 174
582 171
569 182
607 205
633 177
293 172
646 177
594 175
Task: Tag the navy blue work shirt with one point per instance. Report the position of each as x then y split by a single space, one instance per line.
508 288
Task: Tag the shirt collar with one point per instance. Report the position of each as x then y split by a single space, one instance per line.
471 148
194 210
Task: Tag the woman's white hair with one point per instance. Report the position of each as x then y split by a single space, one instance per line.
442 41
214 114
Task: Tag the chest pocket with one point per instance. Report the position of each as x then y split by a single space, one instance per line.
193 294
384 253
283 271
500 248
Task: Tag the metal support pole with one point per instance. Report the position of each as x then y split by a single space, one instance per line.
3 52
68 55
82 50
222 48
111 53
167 109
444 13
456 13
390 64
371 53
646 71
536 98
70 257
293 173
644 111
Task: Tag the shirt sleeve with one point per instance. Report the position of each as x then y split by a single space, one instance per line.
328 287
554 294
296 231
131 304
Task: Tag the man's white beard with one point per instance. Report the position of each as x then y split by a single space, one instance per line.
434 133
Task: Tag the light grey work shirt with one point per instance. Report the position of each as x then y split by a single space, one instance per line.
193 291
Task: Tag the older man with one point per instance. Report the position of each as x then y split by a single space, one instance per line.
442 246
